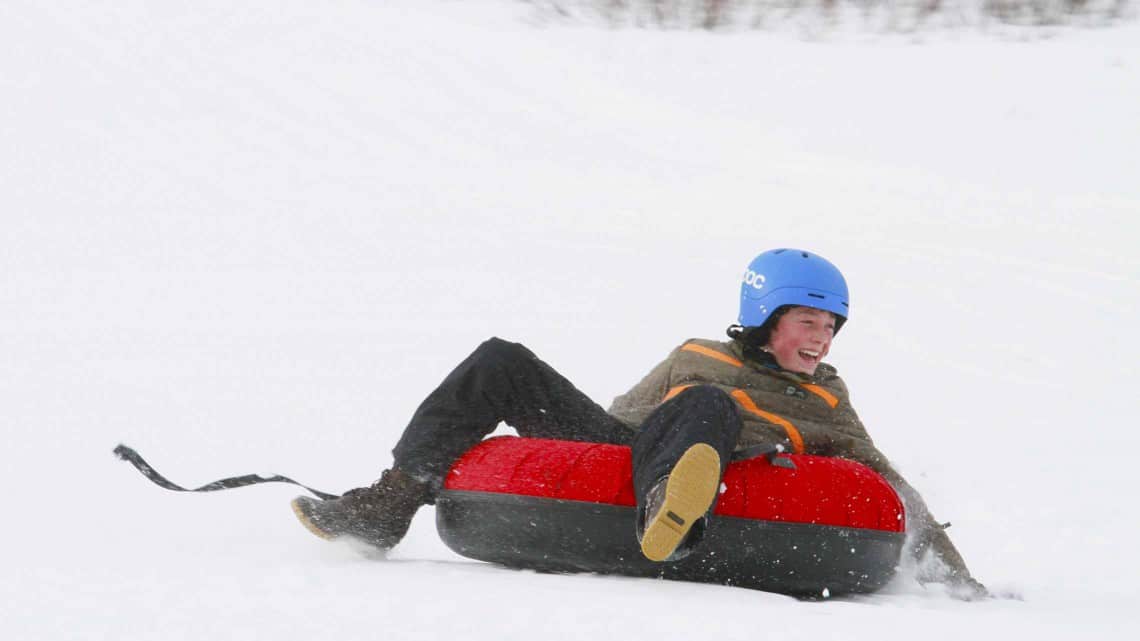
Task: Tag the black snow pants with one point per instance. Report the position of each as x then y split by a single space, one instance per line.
504 381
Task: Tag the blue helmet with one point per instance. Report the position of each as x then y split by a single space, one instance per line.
781 277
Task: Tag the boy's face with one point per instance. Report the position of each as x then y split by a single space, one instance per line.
801 338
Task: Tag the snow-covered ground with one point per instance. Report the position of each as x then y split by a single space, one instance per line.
249 237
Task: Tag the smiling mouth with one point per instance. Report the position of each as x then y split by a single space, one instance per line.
809 355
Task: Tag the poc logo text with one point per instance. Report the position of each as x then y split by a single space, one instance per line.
753 279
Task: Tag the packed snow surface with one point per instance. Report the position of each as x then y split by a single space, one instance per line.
250 237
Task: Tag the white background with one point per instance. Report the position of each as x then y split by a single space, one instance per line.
250 237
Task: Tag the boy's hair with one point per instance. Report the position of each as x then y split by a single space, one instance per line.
754 339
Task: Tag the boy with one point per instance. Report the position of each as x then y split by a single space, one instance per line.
765 390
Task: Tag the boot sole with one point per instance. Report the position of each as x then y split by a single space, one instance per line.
690 490
303 517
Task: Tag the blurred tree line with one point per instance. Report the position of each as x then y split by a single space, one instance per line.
887 15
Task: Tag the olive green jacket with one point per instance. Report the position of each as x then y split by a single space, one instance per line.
804 414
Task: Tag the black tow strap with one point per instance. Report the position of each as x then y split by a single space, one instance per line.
127 454
771 452
768 451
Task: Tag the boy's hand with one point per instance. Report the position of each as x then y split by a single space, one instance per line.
968 589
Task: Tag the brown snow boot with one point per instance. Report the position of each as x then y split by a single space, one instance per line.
378 515
676 503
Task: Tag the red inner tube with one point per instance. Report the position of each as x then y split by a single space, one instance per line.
820 490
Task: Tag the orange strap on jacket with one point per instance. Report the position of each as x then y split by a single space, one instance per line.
675 391
794 435
749 405
711 353
827 396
